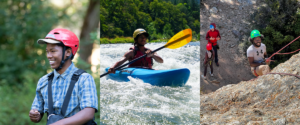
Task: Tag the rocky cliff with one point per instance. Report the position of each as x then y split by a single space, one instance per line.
271 99
231 18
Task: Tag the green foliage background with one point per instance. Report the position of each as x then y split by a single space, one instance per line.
22 60
161 18
279 22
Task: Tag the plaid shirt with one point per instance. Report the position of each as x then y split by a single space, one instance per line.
84 93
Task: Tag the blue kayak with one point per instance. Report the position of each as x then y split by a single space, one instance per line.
171 77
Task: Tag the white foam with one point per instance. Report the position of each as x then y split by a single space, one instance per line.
139 102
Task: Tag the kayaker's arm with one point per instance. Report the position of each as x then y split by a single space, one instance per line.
154 56
157 58
126 57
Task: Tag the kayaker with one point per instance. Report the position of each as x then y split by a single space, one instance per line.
257 54
208 60
140 36
212 36
62 46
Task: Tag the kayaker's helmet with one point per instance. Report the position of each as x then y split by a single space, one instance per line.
208 47
138 32
64 38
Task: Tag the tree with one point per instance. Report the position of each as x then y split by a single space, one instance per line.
279 22
121 18
90 24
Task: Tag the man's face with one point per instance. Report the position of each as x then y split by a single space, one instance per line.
257 41
54 55
142 39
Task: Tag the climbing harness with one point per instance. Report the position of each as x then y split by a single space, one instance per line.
269 59
255 72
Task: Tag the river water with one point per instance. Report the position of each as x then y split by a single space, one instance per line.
136 102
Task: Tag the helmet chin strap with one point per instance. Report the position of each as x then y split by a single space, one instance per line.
140 45
62 60
137 44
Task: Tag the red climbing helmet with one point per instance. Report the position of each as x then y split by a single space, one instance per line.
209 46
65 36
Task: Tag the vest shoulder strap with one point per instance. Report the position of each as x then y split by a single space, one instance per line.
50 99
74 79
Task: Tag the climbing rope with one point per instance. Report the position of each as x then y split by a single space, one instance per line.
282 49
269 59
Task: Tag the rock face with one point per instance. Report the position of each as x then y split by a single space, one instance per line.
270 99
231 19
236 33
213 10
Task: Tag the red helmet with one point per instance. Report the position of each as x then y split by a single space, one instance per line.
65 36
209 46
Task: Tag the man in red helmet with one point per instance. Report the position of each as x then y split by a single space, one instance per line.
212 36
140 36
68 92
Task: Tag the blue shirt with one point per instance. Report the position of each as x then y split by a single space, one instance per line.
84 93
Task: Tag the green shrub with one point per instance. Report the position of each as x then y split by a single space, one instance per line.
122 17
158 38
104 41
122 40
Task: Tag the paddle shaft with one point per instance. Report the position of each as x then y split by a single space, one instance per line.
119 67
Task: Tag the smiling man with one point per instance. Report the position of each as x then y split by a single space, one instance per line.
140 37
68 95
257 54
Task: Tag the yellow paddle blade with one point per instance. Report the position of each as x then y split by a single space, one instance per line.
180 39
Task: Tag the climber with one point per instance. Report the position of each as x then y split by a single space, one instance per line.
257 54
209 57
213 36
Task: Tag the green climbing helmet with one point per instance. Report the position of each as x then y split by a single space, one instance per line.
255 33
